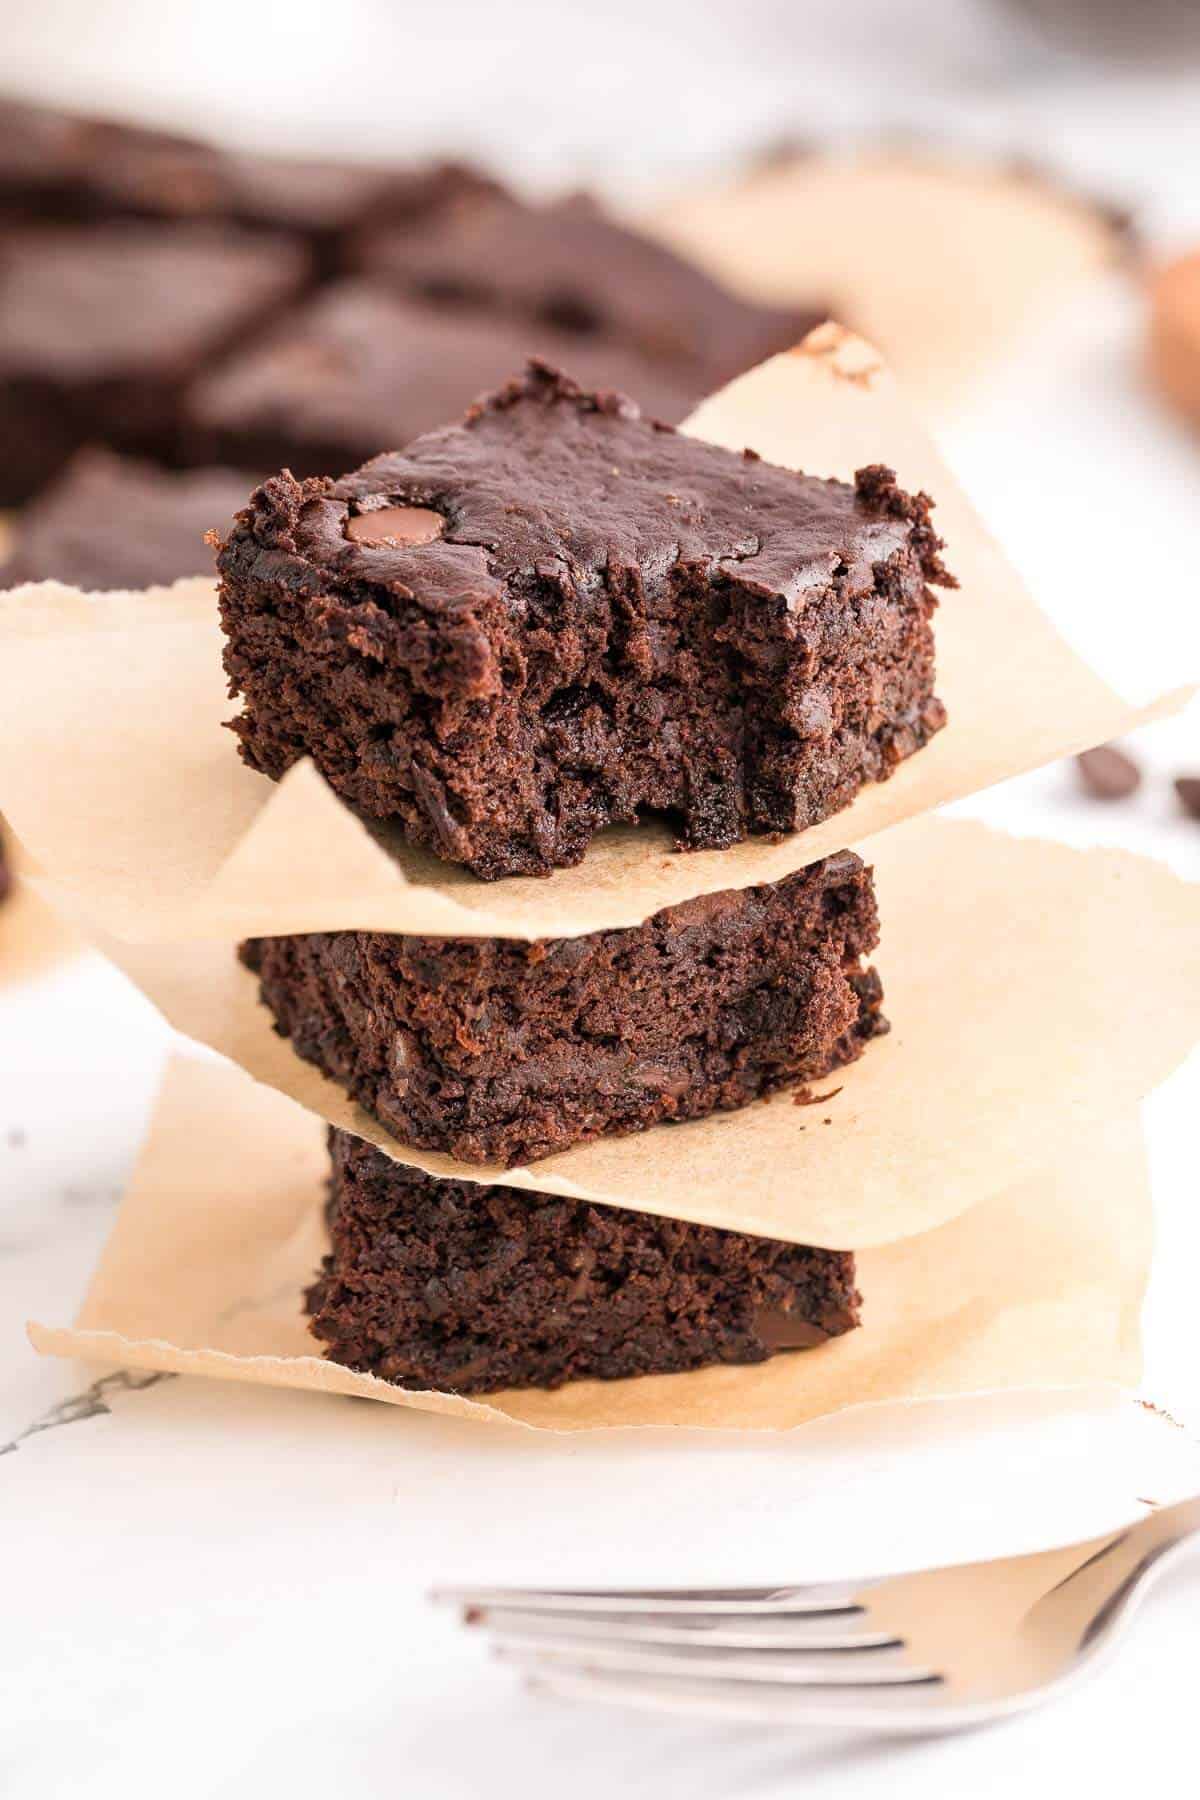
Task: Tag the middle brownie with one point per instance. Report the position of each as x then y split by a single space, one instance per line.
495 1050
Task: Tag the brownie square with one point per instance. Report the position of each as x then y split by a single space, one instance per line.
101 328
358 370
465 1287
331 203
111 521
570 267
39 153
558 615
139 172
495 1050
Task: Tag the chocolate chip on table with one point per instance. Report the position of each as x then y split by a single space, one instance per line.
1188 789
1108 774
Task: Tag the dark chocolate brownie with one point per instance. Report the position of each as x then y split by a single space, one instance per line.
466 1287
574 269
327 204
102 326
6 874
60 165
38 160
358 369
557 614
500 1051
330 203
115 522
139 172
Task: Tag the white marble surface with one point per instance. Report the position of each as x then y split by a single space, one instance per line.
214 1591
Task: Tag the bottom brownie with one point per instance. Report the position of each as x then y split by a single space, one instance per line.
465 1286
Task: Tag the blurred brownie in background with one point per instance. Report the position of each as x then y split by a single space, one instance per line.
470 1287
571 267
109 521
330 204
38 161
103 326
56 165
358 370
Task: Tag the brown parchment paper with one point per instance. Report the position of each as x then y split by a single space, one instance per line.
116 772
940 260
1032 989
221 1230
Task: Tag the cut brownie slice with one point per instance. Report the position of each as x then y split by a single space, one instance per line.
358 369
102 326
460 1286
497 1051
570 267
558 614
115 522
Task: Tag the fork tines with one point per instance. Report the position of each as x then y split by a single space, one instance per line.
799 1653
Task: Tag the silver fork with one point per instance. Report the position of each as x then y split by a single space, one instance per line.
941 1650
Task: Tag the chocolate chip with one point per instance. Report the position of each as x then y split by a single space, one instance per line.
1108 774
1188 789
399 527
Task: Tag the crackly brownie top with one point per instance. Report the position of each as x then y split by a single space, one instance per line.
90 300
570 266
543 480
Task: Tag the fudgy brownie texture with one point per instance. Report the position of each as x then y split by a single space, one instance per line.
102 326
558 615
460 1286
112 521
570 267
357 369
500 1051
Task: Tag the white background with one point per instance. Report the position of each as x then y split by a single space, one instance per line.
219 1592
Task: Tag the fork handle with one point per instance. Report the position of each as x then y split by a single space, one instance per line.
1146 1549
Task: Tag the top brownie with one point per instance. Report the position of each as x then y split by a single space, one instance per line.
559 615
570 267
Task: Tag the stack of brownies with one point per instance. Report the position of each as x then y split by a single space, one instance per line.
556 616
